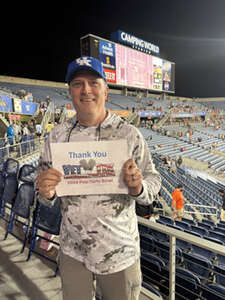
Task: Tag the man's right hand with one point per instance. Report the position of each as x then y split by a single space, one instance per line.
46 182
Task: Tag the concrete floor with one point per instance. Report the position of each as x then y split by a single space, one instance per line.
22 280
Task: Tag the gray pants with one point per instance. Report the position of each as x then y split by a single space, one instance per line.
78 283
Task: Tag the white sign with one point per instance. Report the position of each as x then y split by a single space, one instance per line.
90 167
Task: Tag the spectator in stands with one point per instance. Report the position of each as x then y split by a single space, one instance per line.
17 131
179 161
32 131
25 130
99 234
38 130
173 166
24 139
222 210
11 135
49 127
178 202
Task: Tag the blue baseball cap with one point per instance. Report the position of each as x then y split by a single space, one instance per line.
84 63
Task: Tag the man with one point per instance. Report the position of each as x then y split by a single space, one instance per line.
38 130
178 202
179 161
99 236
10 133
222 210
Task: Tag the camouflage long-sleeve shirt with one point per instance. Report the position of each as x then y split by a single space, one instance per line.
101 230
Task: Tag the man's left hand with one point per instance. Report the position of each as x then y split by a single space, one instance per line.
132 177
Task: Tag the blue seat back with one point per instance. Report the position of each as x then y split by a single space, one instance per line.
197 264
147 242
48 218
199 230
163 249
213 291
27 173
220 274
2 184
11 167
150 288
182 224
188 284
10 189
24 200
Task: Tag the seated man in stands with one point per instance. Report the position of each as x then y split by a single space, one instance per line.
222 210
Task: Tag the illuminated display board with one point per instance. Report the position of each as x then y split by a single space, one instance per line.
128 67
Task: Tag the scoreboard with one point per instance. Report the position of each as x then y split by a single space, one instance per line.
129 67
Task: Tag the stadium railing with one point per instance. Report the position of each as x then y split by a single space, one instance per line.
175 234
21 150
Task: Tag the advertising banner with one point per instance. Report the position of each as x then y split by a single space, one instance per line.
110 75
107 54
28 108
188 115
157 83
145 114
167 71
93 168
6 104
17 105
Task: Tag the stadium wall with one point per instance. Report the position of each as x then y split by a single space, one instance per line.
21 80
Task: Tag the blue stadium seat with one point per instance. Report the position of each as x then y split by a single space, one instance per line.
166 220
147 242
183 245
220 230
198 265
211 223
188 285
203 252
204 225
158 235
213 291
10 173
217 235
199 230
48 220
184 225
155 271
219 272
153 290
220 259
151 270
163 250
20 212
191 222
221 225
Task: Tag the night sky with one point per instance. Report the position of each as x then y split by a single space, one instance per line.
38 41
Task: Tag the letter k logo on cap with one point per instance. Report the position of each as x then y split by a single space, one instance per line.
84 61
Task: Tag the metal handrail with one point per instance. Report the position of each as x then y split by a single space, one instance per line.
21 150
187 237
